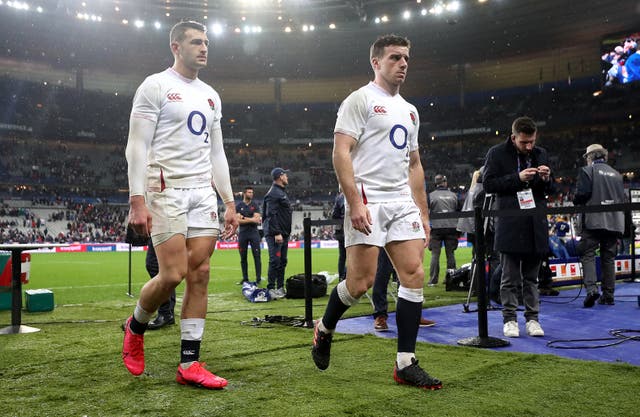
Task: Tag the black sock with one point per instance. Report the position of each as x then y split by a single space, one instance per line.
189 350
335 310
137 327
408 320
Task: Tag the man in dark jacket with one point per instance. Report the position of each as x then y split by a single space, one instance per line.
249 218
518 173
599 184
277 210
442 200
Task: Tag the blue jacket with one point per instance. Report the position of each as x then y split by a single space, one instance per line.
276 209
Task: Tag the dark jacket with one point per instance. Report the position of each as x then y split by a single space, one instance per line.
277 210
467 224
517 234
338 213
442 200
599 184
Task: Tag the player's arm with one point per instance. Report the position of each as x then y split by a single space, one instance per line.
342 147
416 183
142 126
222 181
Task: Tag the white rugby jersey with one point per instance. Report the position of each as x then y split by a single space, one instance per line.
185 112
386 130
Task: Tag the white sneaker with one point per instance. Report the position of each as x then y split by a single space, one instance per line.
277 294
510 329
534 329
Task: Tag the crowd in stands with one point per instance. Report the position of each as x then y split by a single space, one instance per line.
65 147
77 222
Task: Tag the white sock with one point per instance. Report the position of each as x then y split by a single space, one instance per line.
141 315
191 329
403 359
324 329
415 295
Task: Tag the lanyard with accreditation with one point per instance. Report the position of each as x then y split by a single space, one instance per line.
525 197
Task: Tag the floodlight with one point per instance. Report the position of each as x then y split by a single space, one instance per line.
453 6
216 29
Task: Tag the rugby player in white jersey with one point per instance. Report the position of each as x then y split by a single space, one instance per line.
376 159
176 158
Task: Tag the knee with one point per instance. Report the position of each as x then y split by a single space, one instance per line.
168 282
357 288
415 270
200 274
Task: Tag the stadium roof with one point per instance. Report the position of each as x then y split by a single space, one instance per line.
68 34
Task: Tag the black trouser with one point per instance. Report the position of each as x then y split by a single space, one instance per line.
342 256
151 262
380 284
251 237
450 240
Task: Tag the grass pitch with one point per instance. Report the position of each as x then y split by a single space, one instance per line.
72 367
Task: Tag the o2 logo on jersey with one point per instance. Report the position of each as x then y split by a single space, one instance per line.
197 124
398 136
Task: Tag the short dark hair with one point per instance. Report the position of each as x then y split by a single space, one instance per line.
177 31
248 187
377 49
524 125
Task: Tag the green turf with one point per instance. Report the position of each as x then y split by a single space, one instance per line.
72 367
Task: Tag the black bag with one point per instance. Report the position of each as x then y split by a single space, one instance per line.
295 286
458 280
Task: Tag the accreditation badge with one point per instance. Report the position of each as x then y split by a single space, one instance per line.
525 199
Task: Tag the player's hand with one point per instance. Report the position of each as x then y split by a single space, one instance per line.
278 238
139 216
230 221
361 218
427 232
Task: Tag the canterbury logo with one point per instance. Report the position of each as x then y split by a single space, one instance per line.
379 110
174 97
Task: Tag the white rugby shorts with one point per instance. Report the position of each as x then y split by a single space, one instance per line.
188 211
391 222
